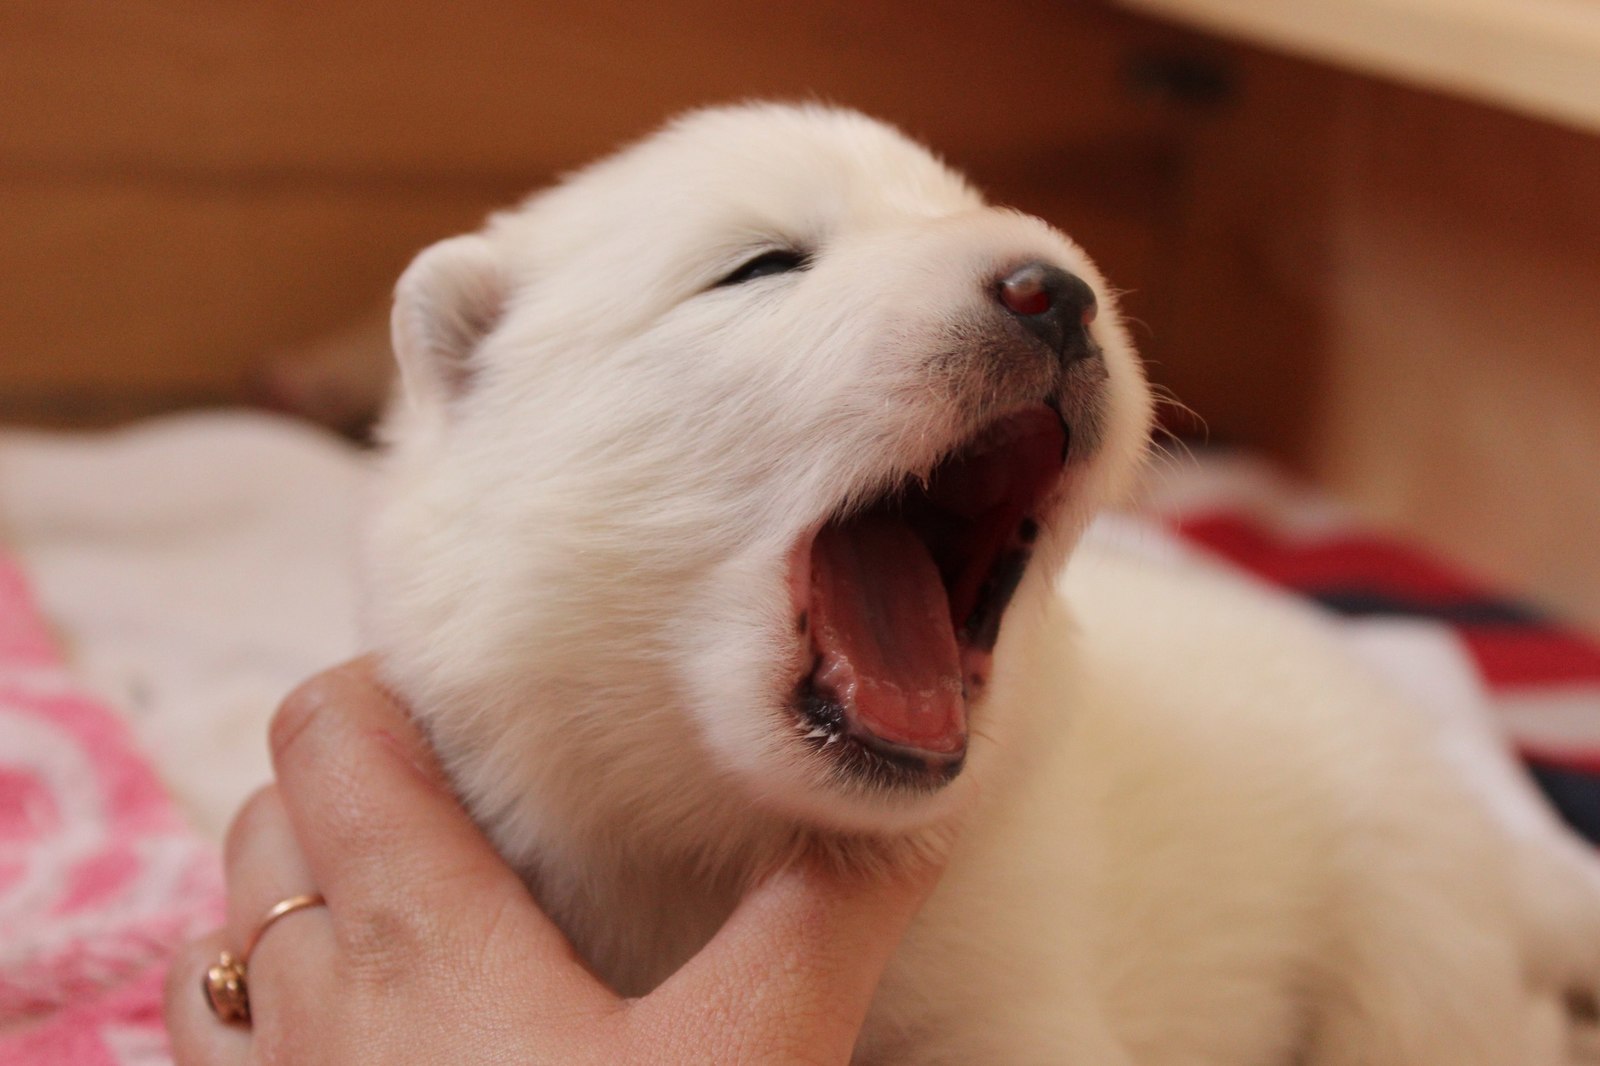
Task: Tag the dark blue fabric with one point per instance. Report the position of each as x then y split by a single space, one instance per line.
1574 793
1358 602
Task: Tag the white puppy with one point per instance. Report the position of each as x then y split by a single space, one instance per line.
716 471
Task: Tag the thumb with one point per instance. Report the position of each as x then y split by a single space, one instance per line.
791 974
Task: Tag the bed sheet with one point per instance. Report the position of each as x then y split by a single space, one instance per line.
195 568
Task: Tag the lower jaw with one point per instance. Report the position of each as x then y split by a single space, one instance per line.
865 760
862 761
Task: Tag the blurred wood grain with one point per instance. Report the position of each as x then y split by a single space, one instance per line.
187 185
1464 398
1395 291
360 87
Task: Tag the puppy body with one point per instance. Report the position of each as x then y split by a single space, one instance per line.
1273 872
1192 833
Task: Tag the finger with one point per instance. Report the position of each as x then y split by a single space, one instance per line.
198 1037
293 977
793 971
403 867
368 802
263 864
291 959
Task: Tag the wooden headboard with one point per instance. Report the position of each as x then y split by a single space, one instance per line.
1395 291
184 186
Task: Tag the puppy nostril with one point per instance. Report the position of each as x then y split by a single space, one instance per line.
1053 305
1024 293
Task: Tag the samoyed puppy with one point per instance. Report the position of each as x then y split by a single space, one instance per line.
727 513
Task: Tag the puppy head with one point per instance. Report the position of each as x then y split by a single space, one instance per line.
720 468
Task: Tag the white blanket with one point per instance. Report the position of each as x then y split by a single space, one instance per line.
197 568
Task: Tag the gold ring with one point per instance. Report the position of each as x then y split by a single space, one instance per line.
226 991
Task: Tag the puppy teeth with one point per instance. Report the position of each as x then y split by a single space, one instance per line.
817 734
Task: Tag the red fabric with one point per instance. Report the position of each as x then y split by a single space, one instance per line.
1346 560
1510 657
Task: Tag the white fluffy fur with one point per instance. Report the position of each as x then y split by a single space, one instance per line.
1193 833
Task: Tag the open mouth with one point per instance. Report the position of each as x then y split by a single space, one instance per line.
901 601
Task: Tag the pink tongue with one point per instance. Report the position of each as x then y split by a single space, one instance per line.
881 619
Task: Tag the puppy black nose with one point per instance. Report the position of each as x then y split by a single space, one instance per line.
1054 305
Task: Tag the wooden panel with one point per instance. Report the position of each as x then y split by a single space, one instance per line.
1244 307
117 291
383 87
1399 293
171 290
1465 399
185 186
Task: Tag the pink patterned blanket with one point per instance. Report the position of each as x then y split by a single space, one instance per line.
100 879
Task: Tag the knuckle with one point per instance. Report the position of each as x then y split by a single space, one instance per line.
384 944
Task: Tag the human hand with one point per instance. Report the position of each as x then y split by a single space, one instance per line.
430 949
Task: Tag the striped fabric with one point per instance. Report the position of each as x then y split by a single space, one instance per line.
1542 677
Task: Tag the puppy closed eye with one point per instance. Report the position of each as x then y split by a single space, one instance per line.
777 261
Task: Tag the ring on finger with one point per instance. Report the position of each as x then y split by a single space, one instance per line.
225 984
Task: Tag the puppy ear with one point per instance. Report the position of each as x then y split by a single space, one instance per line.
445 304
